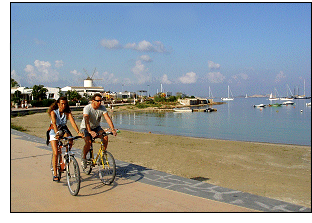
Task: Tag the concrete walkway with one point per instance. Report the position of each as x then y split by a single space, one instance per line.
136 188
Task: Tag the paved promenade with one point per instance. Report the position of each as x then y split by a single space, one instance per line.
136 188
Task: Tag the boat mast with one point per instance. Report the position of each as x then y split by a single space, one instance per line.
304 87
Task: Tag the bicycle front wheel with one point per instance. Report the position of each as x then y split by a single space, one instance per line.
107 168
73 176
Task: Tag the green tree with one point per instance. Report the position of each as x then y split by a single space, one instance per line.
39 92
60 94
14 83
73 95
17 97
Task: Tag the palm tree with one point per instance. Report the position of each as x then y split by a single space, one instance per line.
39 92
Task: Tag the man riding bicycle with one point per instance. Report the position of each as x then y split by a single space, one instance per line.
90 125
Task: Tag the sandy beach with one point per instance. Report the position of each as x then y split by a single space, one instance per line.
277 171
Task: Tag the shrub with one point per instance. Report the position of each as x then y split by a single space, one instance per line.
71 103
35 103
84 101
47 102
141 105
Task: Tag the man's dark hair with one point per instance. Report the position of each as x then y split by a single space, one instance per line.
96 95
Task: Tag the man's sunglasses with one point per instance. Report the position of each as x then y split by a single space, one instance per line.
98 100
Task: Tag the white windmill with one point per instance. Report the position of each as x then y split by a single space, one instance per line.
88 82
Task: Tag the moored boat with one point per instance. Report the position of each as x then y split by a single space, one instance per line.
275 105
286 99
288 103
260 106
228 98
183 110
273 98
210 110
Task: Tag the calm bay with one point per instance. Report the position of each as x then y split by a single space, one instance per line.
236 120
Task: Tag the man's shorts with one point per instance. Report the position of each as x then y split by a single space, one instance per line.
86 133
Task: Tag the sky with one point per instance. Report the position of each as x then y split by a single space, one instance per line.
187 47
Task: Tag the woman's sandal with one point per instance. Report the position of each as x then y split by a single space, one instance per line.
55 178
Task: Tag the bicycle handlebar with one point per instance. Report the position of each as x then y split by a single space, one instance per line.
71 137
110 133
105 134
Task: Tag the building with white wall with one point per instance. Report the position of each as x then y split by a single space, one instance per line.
83 90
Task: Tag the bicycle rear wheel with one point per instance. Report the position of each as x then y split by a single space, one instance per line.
58 167
107 167
73 176
88 169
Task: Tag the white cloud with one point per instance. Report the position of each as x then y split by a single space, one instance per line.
42 65
215 77
39 42
41 73
59 63
146 58
29 68
109 78
141 72
280 76
188 78
213 65
16 77
110 44
240 76
143 46
76 73
165 80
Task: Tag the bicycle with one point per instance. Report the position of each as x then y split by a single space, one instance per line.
69 164
104 160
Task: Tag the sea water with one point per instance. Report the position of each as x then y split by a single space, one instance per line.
236 120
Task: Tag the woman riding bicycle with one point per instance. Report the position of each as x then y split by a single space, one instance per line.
59 113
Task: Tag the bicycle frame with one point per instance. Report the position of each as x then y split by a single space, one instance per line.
68 153
101 150
104 161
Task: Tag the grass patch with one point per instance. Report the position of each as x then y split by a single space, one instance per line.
18 128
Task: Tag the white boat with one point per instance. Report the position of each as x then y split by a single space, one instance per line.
308 104
260 106
210 93
183 110
228 98
273 98
288 103
286 99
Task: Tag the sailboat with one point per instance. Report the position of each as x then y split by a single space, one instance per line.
273 98
228 98
210 93
288 98
302 96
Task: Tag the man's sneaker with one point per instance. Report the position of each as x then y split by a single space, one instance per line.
84 163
